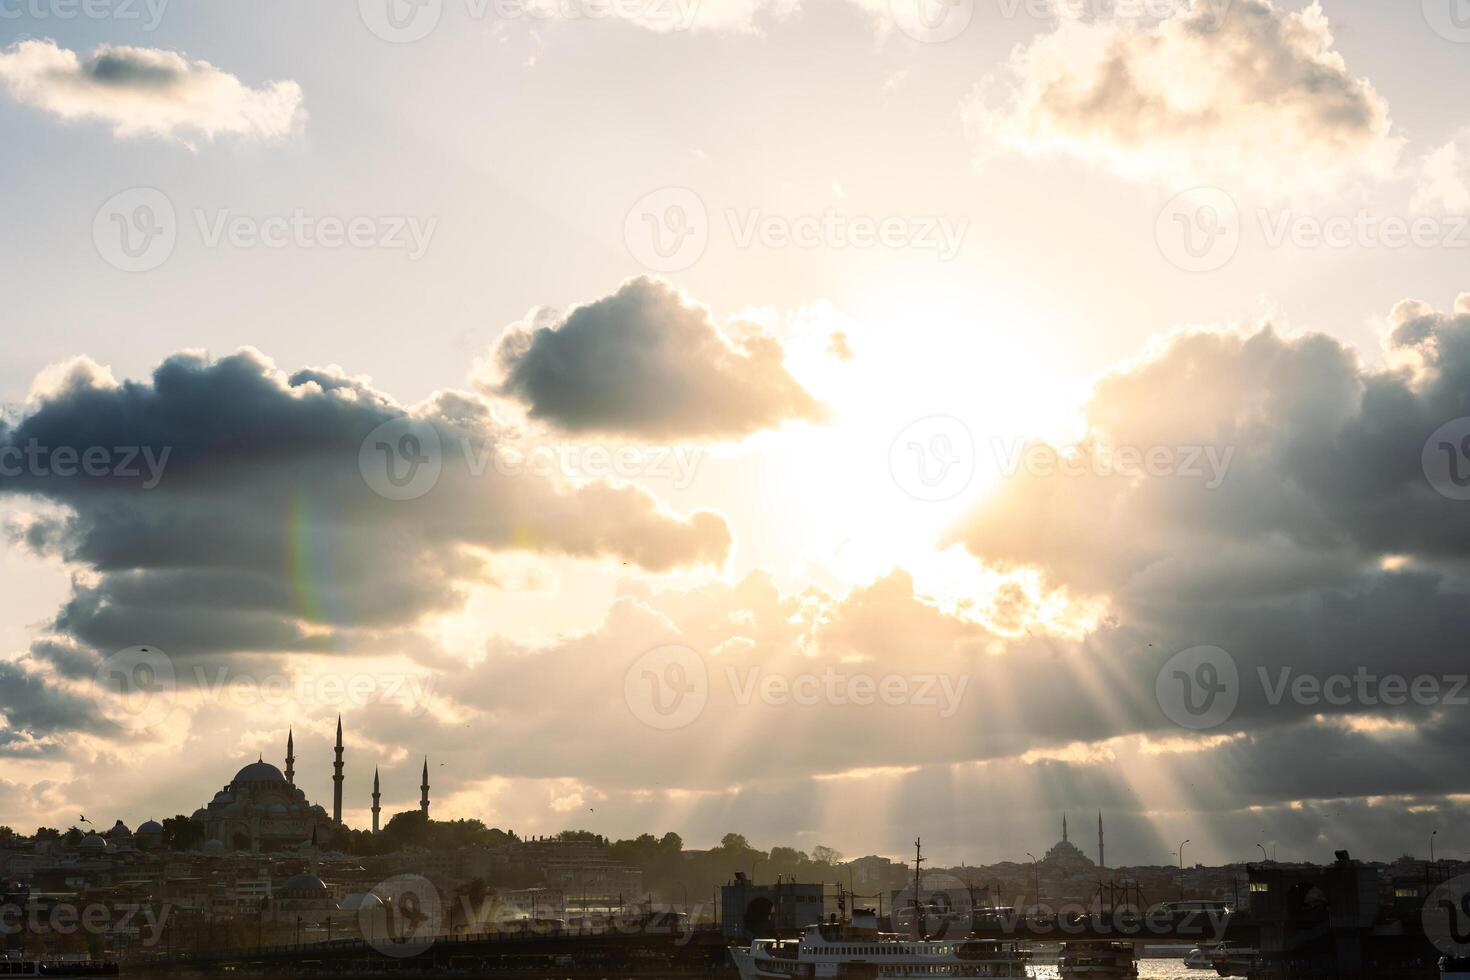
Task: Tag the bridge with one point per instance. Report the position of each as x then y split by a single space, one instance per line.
653 954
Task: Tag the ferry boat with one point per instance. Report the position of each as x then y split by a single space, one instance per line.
57 969
856 950
1097 960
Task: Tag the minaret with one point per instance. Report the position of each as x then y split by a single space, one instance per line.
1064 828
290 758
337 778
376 809
424 789
1102 861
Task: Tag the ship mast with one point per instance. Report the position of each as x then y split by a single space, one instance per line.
918 888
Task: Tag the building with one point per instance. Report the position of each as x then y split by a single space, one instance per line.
261 809
750 911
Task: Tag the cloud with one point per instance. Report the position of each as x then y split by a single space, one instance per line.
147 92
263 534
645 361
1214 94
1444 179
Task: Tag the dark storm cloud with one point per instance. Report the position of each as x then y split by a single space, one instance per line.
34 710
1324 549
645 361
262 533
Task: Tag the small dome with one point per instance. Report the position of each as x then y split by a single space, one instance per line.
234 810
318 809
153 826
303 885
119 829
276 810
259 772
93 842
200 814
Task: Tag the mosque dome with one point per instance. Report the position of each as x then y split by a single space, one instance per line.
150 827
259 772
93 843
276 810
119 830
200 814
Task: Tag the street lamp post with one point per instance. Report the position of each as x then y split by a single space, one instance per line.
1264 857
1036 876
1431 846
1181 870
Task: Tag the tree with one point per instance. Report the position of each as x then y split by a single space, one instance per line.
822 854
182 834
734 842
47 833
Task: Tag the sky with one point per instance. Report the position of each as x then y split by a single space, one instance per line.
833 421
